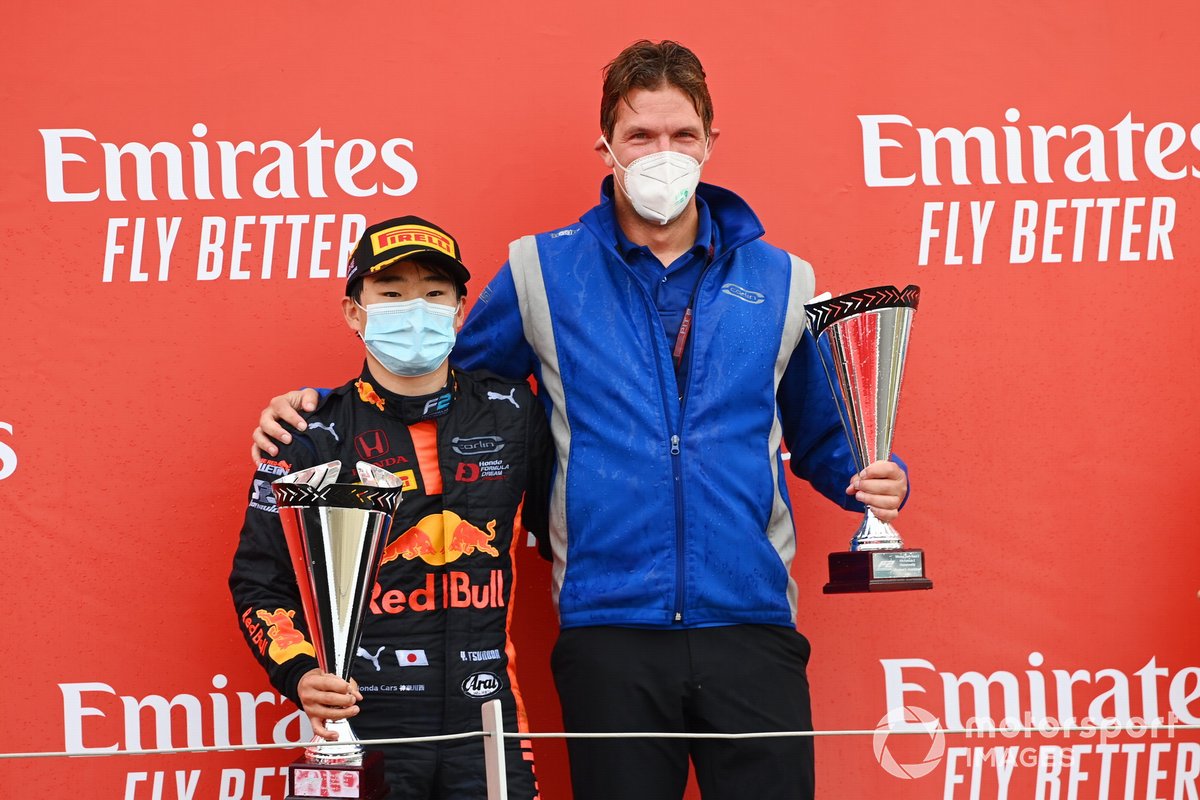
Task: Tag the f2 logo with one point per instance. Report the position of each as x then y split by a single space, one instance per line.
8 456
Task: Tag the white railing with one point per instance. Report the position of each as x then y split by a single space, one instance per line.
493 736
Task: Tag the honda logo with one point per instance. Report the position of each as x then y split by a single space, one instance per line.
371 444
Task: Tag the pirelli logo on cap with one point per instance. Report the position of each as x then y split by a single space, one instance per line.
409 235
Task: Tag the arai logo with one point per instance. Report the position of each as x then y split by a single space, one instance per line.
481 684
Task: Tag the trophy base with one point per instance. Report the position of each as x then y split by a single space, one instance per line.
306 780
877 571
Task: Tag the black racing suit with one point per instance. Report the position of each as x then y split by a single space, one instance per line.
435 642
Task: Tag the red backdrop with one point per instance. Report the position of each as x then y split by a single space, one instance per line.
1048 410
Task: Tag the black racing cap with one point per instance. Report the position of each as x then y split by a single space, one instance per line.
386 243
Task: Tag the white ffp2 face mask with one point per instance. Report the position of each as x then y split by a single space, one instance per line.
659 185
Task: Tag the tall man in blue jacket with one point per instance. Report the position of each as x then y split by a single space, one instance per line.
669 344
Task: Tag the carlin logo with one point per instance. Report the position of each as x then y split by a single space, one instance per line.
476 445
427 540
481 684
922 719
745 295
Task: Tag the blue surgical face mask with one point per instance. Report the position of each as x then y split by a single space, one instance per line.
410 338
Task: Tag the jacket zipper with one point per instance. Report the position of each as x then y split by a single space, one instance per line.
676 473
676 443
676 478
676 439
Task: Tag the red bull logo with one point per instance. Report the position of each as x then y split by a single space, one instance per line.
427 540
457 590
367 393
256 632
411 544
286 641
466 539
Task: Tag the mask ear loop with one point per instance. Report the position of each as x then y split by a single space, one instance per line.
707 151
366 316
620 181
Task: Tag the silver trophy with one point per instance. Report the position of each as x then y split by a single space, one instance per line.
335 535
862 343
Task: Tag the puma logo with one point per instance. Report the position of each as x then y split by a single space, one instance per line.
510 397
374 659
328 427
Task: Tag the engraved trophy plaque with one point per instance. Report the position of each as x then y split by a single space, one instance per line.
335 535
862 341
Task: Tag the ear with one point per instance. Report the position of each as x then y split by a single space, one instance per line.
605 156
356 318
712 143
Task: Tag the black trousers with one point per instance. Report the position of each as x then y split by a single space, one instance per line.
448 770
730 679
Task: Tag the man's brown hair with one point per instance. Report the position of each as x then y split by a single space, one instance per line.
648 65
